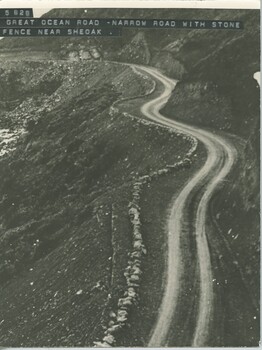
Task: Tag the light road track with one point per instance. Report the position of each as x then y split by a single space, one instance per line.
221 156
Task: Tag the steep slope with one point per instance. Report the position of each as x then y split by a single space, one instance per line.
71 174
136 51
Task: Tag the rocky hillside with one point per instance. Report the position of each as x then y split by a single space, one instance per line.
218 88
66 187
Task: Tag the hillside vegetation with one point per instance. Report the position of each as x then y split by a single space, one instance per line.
72 171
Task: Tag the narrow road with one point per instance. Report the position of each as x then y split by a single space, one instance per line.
221 156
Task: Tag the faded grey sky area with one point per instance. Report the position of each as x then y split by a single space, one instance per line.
38 12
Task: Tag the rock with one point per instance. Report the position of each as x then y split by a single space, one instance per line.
136 271
101 344
113 329
136 262
125 302
134 278
126 274
132 284
121 313
112 314
121 319
131 293
138 244
136 254
138 236
109 339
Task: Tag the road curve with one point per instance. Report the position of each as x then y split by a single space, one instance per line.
221 156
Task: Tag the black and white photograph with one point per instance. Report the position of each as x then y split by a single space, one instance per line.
129 176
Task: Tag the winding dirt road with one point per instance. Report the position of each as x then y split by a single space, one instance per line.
221 156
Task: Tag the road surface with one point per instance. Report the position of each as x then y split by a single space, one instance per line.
221 156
